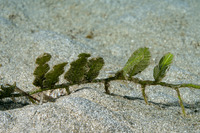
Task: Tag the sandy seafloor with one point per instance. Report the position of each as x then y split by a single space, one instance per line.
112 29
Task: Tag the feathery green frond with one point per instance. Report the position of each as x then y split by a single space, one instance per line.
52 77
94 65
41 69
77 70
161 69
138 61
43 59
6 91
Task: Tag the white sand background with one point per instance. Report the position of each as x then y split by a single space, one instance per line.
112 29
